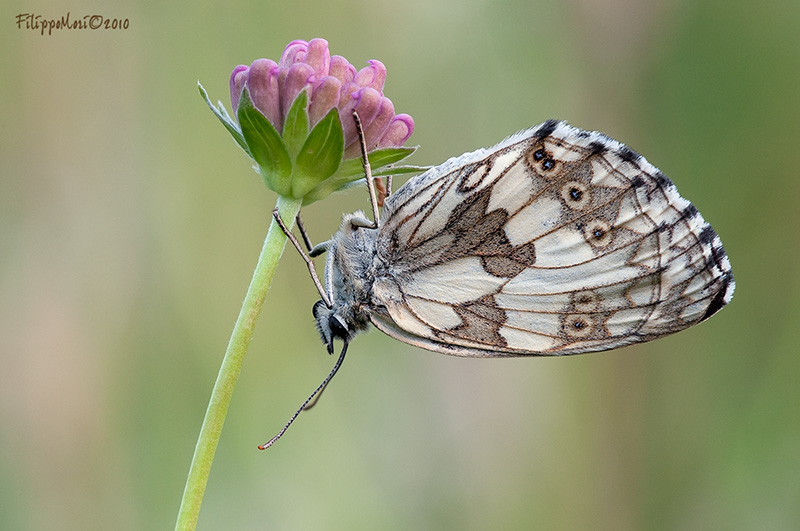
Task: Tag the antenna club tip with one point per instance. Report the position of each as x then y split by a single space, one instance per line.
309 399
267 444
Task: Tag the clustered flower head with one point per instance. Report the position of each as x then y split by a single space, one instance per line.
331 81
294 118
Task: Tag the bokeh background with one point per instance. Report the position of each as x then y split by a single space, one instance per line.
130 223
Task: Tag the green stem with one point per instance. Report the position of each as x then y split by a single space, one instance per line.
232 365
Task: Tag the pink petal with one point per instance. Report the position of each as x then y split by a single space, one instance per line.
263 86
238 77
397 132
346 94
374 131
367 102
325 96
297 78
373 76
318 57
341 69
295 51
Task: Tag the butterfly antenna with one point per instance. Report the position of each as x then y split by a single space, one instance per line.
373 199
316 398
308 400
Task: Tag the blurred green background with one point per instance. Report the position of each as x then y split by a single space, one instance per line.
130 223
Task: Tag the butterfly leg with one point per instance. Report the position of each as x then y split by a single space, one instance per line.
313 250
303 233
305 257
373 199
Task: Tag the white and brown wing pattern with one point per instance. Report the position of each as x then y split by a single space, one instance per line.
555 241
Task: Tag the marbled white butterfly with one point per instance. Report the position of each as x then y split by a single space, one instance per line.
555 241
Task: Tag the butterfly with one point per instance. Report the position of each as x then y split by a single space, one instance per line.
555 241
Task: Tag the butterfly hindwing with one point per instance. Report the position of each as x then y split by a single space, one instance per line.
555 241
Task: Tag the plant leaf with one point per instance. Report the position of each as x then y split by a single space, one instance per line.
226 120
340 182
377 159
320 155
266 146
399 170
295 126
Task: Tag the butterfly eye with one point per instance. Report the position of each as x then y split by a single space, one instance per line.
548 164
317 308
575 194
538 155
337 328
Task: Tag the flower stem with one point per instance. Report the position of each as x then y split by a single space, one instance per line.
232 365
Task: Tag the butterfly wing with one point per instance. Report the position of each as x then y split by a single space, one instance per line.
555 241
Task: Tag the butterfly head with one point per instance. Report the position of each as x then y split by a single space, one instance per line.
330 325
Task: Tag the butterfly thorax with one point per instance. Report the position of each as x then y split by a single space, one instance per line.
349 275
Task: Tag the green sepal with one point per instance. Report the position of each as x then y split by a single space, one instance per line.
266 146
320 156
226 120
394 171
351 172
399 170
377 159
317 155
295 126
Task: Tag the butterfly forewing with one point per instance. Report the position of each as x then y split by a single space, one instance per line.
556 241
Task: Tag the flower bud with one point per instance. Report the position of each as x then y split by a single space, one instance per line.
262 83
373 76
295 119
398 131
326 97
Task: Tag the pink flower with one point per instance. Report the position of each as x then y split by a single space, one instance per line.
329 81
294 119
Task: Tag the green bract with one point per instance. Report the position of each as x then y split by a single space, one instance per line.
301 163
